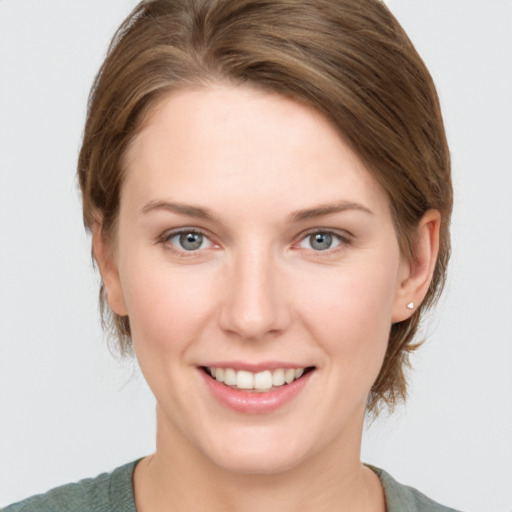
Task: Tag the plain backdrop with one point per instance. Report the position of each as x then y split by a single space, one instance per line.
69 410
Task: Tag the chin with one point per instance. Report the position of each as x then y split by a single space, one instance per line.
257 454
257 463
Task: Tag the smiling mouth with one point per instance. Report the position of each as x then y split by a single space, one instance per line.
266 380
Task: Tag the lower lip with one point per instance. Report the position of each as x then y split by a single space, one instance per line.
255 402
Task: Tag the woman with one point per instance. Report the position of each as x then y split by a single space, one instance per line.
268 189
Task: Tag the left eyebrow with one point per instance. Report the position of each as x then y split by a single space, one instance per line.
179 208
326 209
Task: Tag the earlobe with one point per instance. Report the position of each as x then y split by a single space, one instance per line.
107 265
416 275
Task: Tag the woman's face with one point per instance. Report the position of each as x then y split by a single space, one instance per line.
252 241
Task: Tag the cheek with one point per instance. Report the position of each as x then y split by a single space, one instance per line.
350 315
167 307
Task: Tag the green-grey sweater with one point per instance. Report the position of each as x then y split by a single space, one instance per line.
113 492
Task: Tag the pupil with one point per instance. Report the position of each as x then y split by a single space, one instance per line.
191 241
321 241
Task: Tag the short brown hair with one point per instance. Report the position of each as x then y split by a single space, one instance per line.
348 59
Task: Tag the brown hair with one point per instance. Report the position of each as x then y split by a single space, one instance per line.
348 59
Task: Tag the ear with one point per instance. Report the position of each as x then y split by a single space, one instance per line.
104 255
416 274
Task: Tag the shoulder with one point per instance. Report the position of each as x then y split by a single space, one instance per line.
401 497
106 492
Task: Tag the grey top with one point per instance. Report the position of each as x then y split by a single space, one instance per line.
113 492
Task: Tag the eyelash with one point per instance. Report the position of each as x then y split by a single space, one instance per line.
344 240
169 235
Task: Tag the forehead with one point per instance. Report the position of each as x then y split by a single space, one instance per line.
223 142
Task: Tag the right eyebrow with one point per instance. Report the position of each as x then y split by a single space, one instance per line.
179 208
327 209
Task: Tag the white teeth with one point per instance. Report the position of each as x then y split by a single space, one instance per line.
230 377
244 380
261 381
278 377
289 375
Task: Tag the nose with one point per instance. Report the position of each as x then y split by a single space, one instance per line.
255 305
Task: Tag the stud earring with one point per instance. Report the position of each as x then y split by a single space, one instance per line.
410 305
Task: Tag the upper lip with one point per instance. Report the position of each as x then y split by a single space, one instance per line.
255 367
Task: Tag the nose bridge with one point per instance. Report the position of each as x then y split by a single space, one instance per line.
254 304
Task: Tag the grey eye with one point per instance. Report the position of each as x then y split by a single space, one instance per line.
188 240
191 241
320 241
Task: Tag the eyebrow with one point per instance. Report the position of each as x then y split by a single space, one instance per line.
300 215
179 208
327 209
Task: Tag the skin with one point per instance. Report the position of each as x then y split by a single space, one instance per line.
256 291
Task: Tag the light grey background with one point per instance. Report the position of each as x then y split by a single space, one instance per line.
68 410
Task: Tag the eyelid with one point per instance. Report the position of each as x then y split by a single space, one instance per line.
343 236
340 233
171 233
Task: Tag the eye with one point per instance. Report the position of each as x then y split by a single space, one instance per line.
188 240
321 241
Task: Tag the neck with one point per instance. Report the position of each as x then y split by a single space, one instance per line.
178 474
